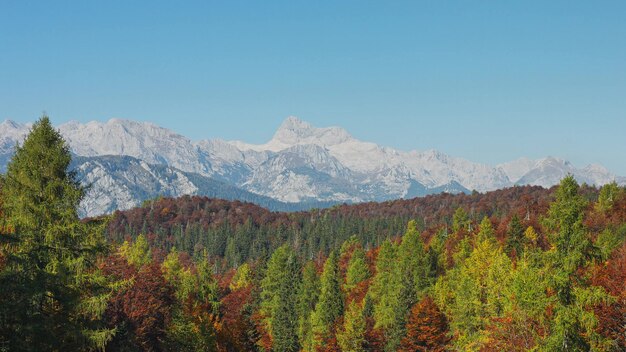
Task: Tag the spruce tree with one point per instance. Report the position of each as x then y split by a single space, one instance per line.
279 299
329 307
308 294
55 291
573 327
413 266
515 237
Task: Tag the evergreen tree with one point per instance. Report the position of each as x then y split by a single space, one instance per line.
308 294
473 292
515 236
573 327
460 221
329 307
437 255
55 291
137 253
351 337
413 266
279 299
410 277
242 278
358 270
385 289
609 193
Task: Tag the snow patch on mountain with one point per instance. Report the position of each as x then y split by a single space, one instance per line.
300 163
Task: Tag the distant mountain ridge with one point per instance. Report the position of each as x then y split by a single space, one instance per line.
300 166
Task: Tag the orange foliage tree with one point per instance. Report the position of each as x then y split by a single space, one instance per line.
427 328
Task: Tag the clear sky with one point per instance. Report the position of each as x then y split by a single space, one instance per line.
490 81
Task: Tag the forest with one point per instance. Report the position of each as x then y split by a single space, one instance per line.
518 269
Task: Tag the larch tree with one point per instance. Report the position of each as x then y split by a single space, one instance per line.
384 291
57 294
351 336
138 252
573 326
473 292
358 270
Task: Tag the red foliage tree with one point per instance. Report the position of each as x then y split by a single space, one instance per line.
142 311
235 326
612 317
427 328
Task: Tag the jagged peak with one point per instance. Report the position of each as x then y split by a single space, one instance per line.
596 168
295 131
551 160
294 123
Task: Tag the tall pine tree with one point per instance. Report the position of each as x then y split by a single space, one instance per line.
329 307
279 299
573 327
55 291
308 294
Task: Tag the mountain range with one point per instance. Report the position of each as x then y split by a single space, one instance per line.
126 162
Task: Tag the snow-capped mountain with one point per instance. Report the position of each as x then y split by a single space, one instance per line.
549 171
123 182
10 133
301 163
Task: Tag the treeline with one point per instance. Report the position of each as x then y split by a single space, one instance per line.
557 285
513 270
237 232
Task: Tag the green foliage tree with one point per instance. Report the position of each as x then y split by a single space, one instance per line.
573 327
197 302
358 270
329 307
52 292
308 294
385 288
137 253
607 197
413 266
410 278
460 220
351 337
437 254
515 240
242 278
279 299
473 291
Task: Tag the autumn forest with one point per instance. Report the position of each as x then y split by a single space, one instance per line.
518 269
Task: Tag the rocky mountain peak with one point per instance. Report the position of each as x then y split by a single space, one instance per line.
294 131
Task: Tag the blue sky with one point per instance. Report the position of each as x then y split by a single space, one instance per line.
485 80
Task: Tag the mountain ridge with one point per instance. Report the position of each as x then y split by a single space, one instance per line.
301 163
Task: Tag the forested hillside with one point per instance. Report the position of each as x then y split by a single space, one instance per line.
518 269
239 231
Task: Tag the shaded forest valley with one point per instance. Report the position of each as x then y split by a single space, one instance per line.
518 269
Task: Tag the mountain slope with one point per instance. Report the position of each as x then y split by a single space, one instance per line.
300 164
123 182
